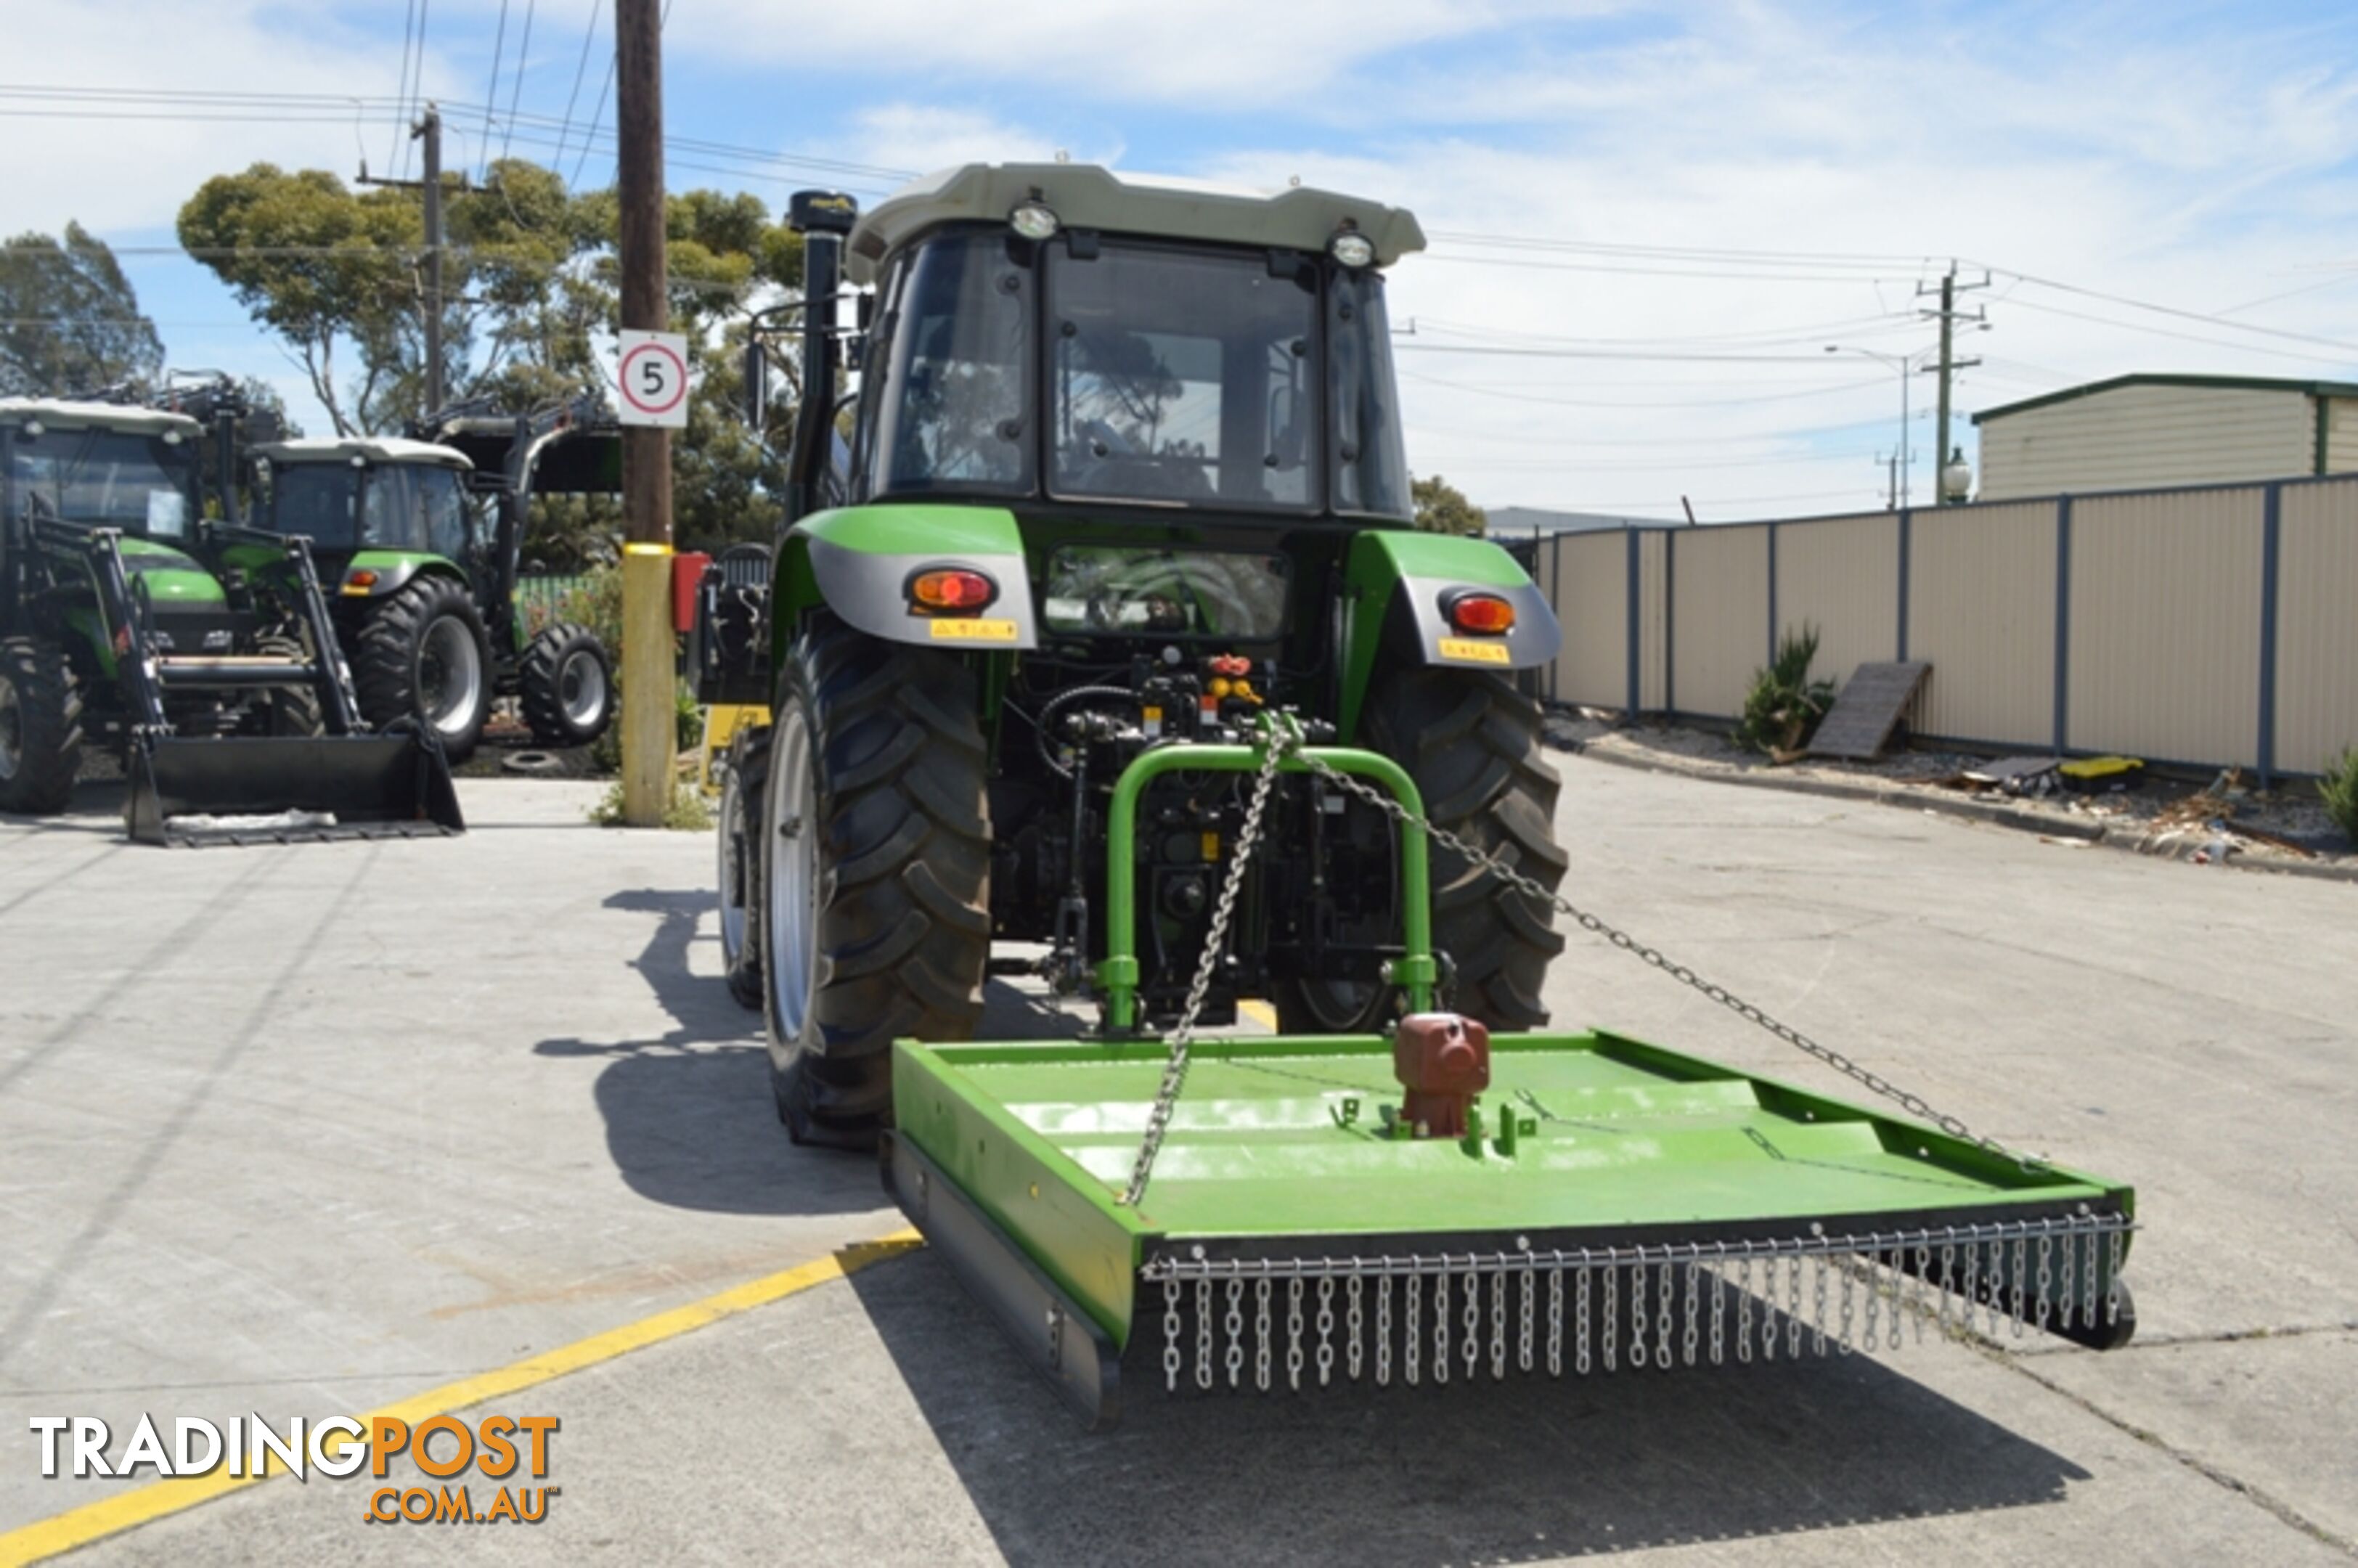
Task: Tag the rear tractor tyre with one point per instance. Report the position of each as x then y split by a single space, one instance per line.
1471 742
876 874
745 786
41 726
566 683
288 709
423 654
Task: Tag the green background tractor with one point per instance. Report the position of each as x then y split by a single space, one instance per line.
137 614
1125 467
422 539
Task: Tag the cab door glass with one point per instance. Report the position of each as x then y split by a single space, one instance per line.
443 503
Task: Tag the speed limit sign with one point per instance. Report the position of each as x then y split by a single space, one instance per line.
653 379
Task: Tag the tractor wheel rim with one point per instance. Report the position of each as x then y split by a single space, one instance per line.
449 676
733 867
791 925
12 730
581 688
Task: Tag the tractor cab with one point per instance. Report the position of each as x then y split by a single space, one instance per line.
375 508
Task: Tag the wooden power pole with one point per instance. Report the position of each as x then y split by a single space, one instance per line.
649 735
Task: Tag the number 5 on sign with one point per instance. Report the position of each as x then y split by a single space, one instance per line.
653 379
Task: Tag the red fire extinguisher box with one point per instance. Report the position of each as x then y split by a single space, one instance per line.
686 571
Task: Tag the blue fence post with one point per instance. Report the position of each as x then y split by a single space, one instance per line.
2062 619
1906 541
2271 554
1630 555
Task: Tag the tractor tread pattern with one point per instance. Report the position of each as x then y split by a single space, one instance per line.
1472 744
49 706
904 921
384 667
538 693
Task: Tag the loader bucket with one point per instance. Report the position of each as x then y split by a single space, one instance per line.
276 789
1589 1204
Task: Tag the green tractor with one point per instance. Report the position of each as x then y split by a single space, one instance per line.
423 538
1125 469
1108 633
139 615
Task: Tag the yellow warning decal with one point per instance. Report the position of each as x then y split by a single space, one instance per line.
970 631
1472 652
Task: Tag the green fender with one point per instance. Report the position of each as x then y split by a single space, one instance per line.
858 561
1397 585
395 569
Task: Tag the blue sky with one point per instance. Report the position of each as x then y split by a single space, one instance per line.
1650 219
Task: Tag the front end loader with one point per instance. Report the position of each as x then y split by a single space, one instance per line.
1105 652
135 617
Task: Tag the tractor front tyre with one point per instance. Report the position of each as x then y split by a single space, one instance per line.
423 655
291 711
745 786
875 873
41 726
1471 742
566 683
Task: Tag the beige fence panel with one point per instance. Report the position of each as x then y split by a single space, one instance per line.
1981 611
1719 616
1591 601
2317 625
2165 626
1841 575
1653 621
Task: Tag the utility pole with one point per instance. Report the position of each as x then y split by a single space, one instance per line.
648 731
428 129
1947 368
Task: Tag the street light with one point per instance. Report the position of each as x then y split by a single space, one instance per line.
1900 362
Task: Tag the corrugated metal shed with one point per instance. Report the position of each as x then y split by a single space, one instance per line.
2143 432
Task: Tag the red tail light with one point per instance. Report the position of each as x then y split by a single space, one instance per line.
950 590
1485 614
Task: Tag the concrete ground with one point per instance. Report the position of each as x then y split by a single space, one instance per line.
309 1130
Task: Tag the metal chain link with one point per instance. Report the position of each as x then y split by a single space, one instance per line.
1914 1105
1279 737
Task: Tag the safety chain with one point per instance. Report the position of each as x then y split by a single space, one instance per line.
1280 736
1914 1105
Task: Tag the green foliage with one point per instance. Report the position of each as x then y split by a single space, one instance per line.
688 812
2339 788
70 320
1442 508
1782 709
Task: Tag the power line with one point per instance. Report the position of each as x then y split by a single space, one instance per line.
2184 337
491 93
523 54
1675 272
1686 252
408 28
1624 403
409 104
2173 311
1493 349
580 68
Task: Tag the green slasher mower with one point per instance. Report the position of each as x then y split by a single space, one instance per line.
423 536
134 618
1104 652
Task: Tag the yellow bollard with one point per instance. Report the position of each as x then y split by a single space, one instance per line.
649 731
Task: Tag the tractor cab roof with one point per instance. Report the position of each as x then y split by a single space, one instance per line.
1085 196
379 449
60 413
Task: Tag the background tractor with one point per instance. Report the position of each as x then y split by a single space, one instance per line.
423 538
137 614
1124 468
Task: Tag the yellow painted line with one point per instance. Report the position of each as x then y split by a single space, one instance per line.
91 1521
1259 1011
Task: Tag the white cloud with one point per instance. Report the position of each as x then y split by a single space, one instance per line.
924 137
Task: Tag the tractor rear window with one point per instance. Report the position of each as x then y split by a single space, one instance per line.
1182 376
1117 591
